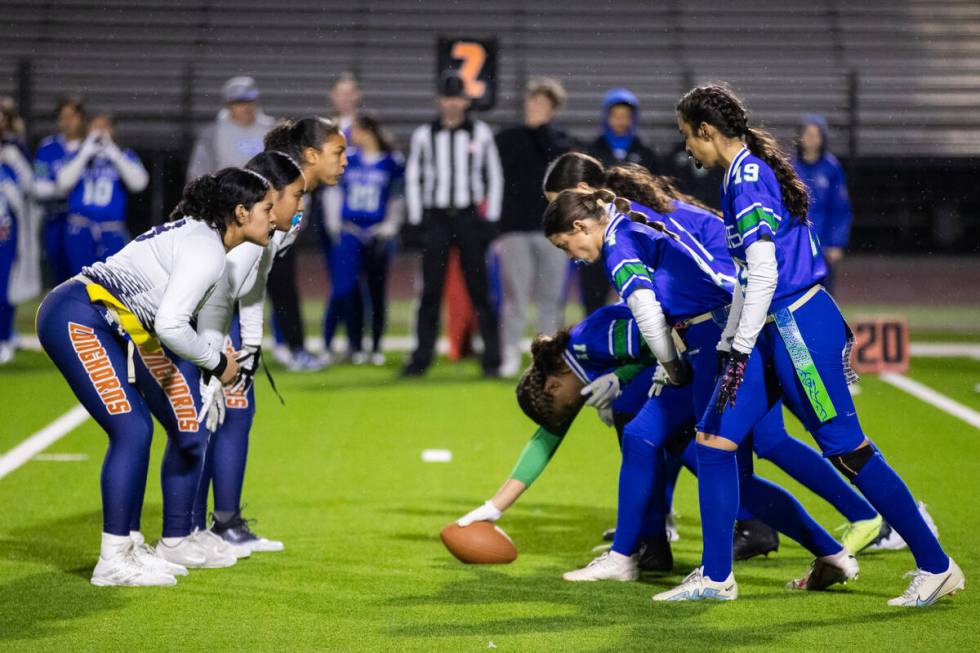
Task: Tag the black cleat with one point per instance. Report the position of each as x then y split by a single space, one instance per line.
237 532
655 554
753 538
609 535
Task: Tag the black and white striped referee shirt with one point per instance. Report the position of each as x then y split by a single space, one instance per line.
454 168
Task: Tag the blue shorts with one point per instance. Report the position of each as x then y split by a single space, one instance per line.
770 376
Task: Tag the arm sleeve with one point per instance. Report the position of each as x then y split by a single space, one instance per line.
72 171
763 275
198 265
251 306
215 316
652 324
333 204
734 314
495 178
130 169
13 157
840 211
413 177
536 456
44 186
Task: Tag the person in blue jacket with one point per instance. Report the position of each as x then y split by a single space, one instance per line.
830 206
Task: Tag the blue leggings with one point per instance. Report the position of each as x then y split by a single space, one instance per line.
224 468
8 253
351 262
92 356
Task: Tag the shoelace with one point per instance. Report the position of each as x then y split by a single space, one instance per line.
913 589
599 560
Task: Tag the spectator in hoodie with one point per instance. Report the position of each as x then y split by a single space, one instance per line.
830 206
528 262
236 134
618 143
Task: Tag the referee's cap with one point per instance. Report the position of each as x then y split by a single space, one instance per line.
240 89
451 84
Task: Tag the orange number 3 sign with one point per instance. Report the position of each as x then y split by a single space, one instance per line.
473 55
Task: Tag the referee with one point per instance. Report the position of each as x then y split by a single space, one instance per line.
453 190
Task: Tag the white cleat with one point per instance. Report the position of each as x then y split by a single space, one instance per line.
698 587
125 570
826 571
7 352
890 540
184 552
926 588
378 359
147 556
218 551
609 566
263 545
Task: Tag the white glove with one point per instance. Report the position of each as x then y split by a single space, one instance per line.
212 404
606 415
248 364
385 230
92 145
486 512
603 391
109 148
660 379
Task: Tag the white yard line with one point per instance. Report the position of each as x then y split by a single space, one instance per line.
41 440
930 396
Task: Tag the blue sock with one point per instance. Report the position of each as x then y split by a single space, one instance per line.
778 509
637 475
672 469
718 498
888 493
815 472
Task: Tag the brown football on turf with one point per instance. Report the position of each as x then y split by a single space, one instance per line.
479 543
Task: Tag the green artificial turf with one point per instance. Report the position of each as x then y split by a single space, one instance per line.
337 475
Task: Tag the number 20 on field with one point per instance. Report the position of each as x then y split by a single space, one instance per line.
880 345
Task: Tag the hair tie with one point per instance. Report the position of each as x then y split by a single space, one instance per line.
264 181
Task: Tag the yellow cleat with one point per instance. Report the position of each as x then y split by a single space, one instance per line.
858 535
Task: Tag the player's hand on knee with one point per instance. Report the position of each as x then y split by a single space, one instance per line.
248 359
731 379
486 512
678 371
230 372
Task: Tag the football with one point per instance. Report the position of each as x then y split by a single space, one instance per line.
481 542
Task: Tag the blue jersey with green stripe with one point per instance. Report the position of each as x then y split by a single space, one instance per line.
674 267
753 208
605 340
707 231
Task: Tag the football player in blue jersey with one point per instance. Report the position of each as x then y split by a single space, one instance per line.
658 199
370 216
784 338
51 155
97 178
665 280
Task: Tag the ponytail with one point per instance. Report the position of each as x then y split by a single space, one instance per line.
794 193
718 105
579 204
212 198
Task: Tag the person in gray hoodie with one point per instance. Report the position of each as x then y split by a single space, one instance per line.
236 134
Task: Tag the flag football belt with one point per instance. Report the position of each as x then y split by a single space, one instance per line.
125 319
806 369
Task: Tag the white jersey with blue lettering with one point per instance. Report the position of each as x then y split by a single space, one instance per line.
164 277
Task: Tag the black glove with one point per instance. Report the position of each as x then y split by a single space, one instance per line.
721 360
249 359
731 379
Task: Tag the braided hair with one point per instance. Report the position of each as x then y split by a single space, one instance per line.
580 204
717 105
536 402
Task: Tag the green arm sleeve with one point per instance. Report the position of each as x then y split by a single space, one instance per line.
538 451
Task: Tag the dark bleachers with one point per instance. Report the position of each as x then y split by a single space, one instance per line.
159 65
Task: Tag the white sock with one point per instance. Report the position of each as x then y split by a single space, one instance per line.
113 546
837 557
136 537
618 557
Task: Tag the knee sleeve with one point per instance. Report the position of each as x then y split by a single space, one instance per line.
850 464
